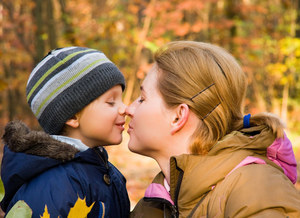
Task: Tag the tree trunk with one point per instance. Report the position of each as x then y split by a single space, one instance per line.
284 106
51 27
297 2
18 29
9 72
261 104
137 56
294 30
68 29
231 14
38 20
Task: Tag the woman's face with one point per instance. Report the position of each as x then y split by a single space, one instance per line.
150 119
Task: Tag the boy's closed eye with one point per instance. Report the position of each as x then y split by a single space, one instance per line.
111 102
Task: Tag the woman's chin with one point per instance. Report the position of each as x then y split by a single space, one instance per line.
134 148
131 147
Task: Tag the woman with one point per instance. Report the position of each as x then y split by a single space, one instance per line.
214 161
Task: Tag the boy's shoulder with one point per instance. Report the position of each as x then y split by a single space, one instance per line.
19 138
36 170
36 156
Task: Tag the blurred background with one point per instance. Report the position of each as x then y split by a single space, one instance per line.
263 35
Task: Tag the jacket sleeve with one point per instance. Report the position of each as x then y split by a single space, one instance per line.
260 190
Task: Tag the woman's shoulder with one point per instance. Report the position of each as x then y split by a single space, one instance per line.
258 176
249 183
259 172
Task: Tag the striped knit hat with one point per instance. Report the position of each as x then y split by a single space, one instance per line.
67 80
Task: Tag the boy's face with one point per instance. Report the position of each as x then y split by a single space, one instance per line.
101 122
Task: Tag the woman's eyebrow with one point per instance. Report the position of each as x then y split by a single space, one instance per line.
143 90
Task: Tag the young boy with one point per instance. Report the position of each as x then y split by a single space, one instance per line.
76 95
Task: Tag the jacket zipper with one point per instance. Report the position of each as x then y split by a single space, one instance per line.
180 177
106 176
197 205
100 156
174 211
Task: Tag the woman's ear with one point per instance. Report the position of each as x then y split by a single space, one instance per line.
73 122
182 112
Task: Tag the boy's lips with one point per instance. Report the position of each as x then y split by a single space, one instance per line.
121 125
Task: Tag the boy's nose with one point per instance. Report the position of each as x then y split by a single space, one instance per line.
122 109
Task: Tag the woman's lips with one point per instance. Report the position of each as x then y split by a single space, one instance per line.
130 128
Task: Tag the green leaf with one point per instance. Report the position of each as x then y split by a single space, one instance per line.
20 210
150 45
1 190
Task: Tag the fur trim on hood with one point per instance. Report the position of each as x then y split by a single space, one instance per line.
19 138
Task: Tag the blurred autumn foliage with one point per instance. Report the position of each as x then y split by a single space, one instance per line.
263 35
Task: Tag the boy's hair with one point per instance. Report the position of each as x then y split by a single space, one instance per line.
66 81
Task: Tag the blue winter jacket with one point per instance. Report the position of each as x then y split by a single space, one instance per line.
43 171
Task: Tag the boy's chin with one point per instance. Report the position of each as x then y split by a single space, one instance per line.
114 142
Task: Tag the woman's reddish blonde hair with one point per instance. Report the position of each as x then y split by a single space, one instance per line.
211 82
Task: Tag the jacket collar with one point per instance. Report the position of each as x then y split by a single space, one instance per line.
71 141
19 138
202 173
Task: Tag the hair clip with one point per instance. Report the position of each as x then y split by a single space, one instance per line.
201 91
220 67
210 111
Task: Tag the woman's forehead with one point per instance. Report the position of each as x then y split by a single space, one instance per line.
151 78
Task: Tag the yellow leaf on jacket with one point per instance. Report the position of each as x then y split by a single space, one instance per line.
46 214
80 209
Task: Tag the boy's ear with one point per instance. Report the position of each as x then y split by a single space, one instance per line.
73 122
182 112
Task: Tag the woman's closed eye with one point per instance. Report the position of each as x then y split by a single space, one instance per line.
141 99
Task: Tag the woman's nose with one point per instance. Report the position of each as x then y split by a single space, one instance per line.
130 110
